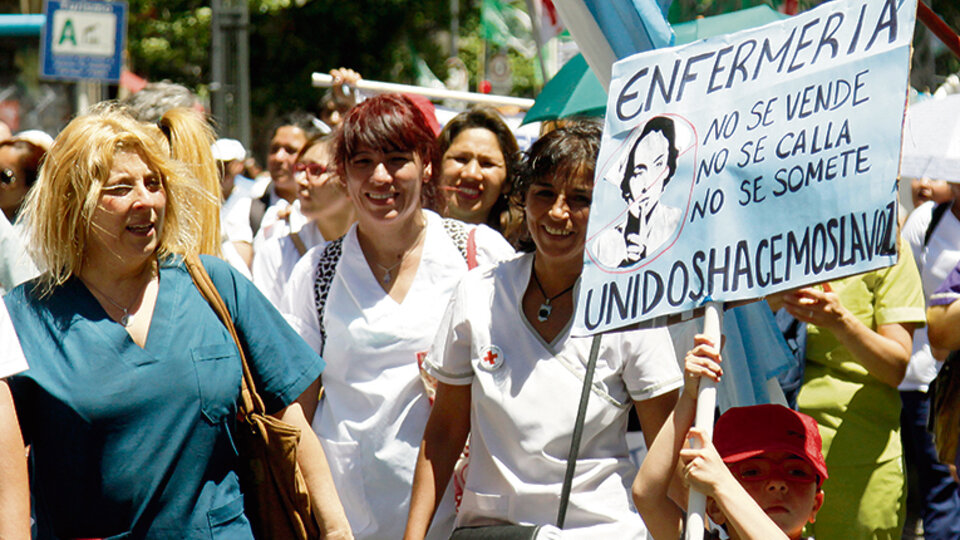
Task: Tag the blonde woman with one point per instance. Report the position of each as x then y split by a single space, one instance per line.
131 394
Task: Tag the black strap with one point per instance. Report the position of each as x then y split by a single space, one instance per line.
578 431
258 207
938 211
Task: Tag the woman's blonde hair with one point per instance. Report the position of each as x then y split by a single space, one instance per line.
190 137
59 208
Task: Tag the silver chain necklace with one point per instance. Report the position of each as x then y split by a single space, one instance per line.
125 319
387 269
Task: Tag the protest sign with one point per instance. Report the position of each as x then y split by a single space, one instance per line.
748 163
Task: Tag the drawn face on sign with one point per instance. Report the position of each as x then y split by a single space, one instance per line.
650 165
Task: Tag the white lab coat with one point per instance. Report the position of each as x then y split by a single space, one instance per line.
524 400
374 409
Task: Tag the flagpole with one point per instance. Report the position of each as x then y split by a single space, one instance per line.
323 80
939 28
706 403
537 38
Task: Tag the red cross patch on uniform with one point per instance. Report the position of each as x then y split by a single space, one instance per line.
491 358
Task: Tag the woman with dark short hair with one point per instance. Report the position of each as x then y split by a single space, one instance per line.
510 374
20 161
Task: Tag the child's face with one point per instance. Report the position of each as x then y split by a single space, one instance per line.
784 485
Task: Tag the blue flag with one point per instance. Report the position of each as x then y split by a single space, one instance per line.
632 26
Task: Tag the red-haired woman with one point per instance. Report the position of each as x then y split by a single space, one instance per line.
371 304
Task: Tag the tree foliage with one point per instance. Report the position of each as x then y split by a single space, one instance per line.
170 39
290 39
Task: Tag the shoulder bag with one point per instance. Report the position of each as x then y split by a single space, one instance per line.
275 496
944 419
529 532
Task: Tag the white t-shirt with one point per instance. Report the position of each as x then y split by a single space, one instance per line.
274 262
374 409
940 256
524 399
235 216
272 226
12 360
16 266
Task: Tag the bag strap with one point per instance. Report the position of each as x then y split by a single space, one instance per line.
457 231
326 271
258 207
250 401
578 431
297 243
472 249
938 211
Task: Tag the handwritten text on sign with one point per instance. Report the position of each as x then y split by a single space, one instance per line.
748 163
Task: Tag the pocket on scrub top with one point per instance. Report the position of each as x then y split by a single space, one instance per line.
482 509
218 379
228 521
347 472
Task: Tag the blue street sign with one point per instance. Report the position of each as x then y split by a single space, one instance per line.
83 40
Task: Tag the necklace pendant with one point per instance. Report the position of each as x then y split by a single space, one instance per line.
386 277
543 312
125 320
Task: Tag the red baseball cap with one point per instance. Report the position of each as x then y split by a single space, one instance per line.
745 432
428 110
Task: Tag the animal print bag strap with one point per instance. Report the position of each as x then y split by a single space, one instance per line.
459 233
326 270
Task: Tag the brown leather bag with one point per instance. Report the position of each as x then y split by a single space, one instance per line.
275 496
944 420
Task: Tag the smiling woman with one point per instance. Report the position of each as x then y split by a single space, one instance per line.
477 169
510 371
132 390
371 303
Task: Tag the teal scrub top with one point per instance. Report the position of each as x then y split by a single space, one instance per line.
136 443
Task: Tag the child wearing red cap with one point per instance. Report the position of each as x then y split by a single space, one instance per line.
762 472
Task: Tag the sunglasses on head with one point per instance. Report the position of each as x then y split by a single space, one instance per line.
757 469
313 169
7 176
